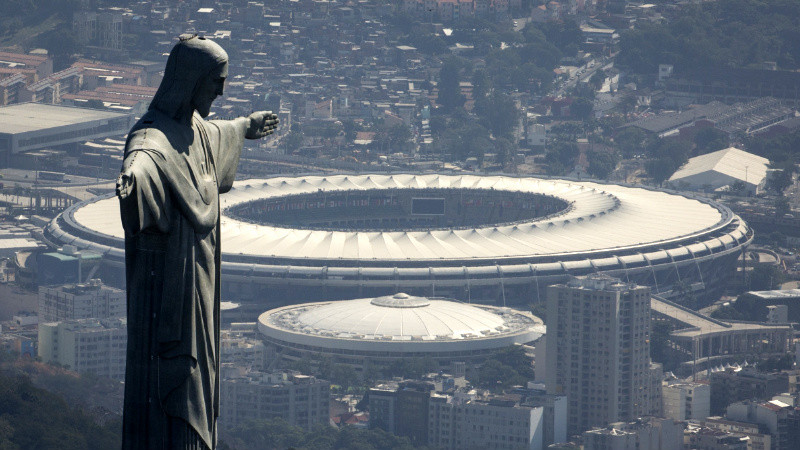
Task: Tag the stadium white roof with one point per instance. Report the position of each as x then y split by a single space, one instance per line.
602 217
731 163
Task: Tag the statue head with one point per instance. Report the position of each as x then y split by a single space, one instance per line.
194 77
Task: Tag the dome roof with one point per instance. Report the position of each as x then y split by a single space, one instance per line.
400 322
401 316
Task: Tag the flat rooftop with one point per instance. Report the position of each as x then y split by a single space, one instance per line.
27 117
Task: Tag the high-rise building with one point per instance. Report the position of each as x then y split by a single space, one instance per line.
86 346
301 400
686 400
103 29
602 360
91 300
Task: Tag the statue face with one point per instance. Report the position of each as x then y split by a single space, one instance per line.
208 89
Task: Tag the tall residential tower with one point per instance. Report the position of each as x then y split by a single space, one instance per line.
598 351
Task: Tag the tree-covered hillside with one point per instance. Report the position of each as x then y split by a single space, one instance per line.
32 418
730 33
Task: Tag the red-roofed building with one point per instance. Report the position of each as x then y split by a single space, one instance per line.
117 96
359 419
41 65
98 73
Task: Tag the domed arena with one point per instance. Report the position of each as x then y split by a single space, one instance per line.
481 239
385 329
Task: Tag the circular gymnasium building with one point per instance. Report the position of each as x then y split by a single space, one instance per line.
385 329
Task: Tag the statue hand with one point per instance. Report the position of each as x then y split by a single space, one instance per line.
262 123
124 186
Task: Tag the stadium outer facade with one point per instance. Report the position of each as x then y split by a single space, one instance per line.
651 237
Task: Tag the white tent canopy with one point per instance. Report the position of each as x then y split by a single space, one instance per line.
722 168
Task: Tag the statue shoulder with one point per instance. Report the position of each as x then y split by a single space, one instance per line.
156 132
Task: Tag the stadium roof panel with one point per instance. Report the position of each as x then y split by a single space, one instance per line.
602 218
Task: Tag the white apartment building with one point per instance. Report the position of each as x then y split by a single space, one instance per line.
484 425
243 349
80 301
602 360
686 400
301 400
94 346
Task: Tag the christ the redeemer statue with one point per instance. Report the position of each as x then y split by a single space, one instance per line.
176 165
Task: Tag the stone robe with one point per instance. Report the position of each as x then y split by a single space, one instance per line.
170 183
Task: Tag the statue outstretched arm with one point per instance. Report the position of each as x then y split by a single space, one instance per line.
226 138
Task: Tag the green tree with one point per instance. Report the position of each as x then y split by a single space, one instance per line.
506 368
539 310
561 157
710 140
780 180
500 113
782 206
273 433
738 188
497 377
292 142
660 169
350 130
481 84
601 164
515 357
581 109
667 156
449 90
660 348
777 238
505 150
565 35
344 375
701 37
31 418
597 79
764 278
396 138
